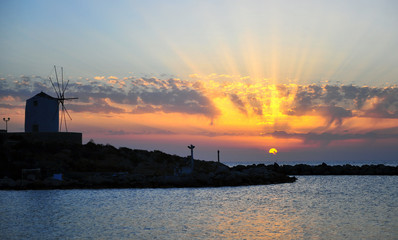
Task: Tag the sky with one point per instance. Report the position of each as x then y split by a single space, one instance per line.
261 81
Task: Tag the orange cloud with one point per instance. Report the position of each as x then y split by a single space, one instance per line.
99 77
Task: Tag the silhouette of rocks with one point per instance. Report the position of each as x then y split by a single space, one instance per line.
32 165
324 169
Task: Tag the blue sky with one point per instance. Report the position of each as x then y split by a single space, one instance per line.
304 41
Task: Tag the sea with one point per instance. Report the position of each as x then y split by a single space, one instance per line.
313 207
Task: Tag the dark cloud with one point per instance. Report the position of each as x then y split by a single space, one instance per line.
120 132
10 106
139 130
170 95
327 137
332 95
238 103
339 102
334 114
139 109
255 104
306 98
143 94
145 130
386 105
95 90
149 95
97 105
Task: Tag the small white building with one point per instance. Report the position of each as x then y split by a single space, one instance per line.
41 113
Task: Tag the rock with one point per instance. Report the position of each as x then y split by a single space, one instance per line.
7 183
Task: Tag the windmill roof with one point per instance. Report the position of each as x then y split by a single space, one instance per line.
43 95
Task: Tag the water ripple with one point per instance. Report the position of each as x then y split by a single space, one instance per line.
314 207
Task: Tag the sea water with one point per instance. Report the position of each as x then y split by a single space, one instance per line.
314 207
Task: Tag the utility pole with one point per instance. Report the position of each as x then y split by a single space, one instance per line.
6 120
218 155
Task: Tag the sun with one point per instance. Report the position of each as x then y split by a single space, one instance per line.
273 151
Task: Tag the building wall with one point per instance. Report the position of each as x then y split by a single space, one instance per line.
41 114
45 137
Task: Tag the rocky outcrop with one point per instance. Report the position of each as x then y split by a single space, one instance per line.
104 166
324 169
133 180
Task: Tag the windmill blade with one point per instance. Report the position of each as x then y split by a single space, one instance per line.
60 88
56 76
61 120
52 83
66 126
62 79
66 110
63 91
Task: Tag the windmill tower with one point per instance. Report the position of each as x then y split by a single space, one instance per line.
42 110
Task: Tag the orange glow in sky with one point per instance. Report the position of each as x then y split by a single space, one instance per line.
232 115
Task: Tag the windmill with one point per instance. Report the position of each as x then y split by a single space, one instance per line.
60 89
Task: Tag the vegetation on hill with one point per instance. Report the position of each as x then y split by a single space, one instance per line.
33 164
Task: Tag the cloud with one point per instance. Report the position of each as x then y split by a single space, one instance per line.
149 95
339 102
238 103
143 95
140 130
119 132
145 108
383 105
172 95
255 104
98 105
99 78
10 106
334 114
326 137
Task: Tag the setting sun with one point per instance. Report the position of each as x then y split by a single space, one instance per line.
273 151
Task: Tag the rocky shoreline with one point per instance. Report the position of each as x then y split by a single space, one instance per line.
125 180
324 169
26 165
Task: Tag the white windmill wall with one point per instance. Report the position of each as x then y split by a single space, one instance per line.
41 114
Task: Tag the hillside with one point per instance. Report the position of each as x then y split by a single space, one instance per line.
37 165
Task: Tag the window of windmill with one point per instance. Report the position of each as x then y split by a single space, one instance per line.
35 128
35 103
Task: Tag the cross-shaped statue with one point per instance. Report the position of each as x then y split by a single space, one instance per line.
191 147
